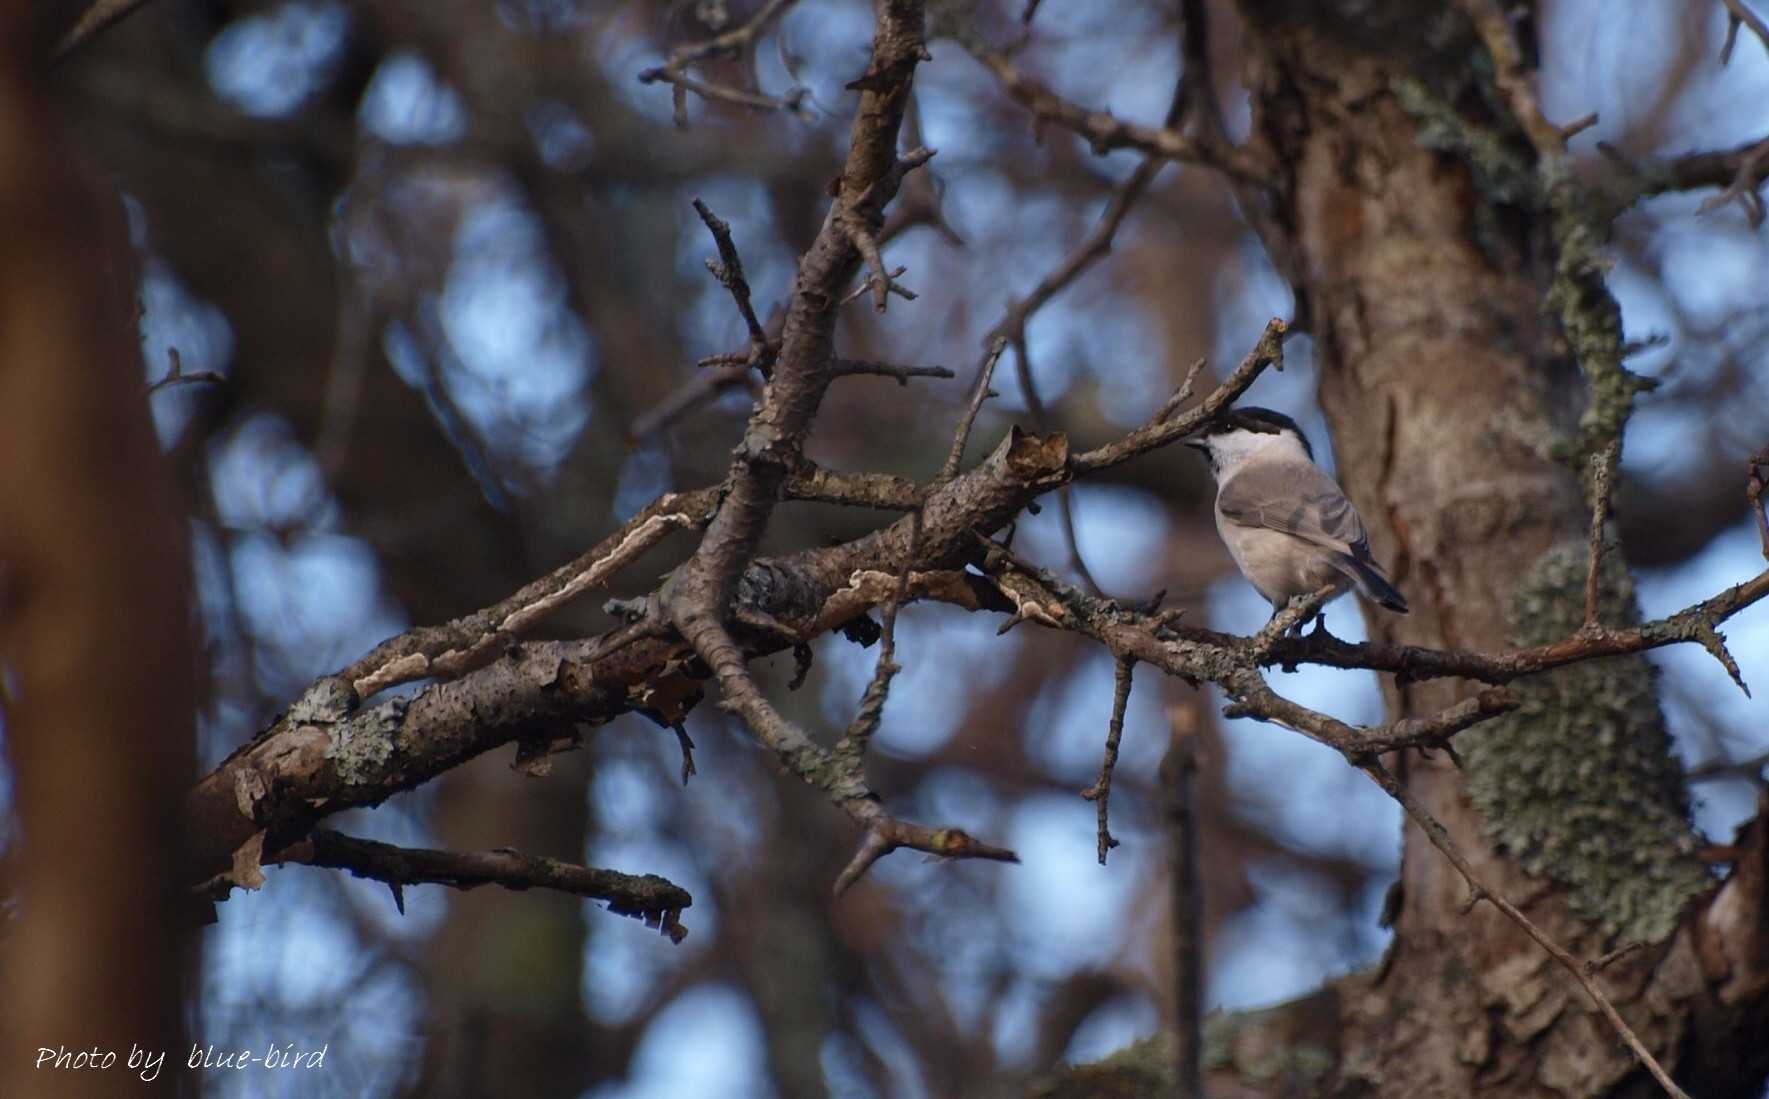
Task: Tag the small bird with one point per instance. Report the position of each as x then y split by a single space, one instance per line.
1288 526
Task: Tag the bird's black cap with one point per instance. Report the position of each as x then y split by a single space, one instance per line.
1262 420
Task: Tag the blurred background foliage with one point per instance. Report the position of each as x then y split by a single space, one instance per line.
442 255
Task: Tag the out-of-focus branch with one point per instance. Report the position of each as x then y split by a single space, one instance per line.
1494 27
98 16
1757 479
658 901
1104 131
1177 771
1739 172
1093 248
1738 13
732 42
1100 793
175 375
1747 178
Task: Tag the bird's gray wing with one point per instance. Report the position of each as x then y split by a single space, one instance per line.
1296 498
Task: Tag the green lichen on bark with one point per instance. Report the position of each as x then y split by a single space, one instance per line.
1505 172
361 747
1281 1048
1580 784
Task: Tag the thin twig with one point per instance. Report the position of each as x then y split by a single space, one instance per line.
1100 793
728 44
1598 965
1171 406
1737 12
1755 482
856 220
101 15
1742 188
728 269
1509 72
703 387
175 374
1104 131
1440 838
1751 768
1159 432
1739 170
979 393
872 702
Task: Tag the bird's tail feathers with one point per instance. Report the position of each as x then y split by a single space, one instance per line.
1371 582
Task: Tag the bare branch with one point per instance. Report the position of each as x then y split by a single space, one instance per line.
1166 428
1100 793
1494 27
728 269
1756 480
98 17
1104 131
1171 406
706 385
845 368
1415 663
1255 699
979 393
886 834
1742 189
698 598
1739 171
175 374
466 643
860 221
872 703
728 44
1738 12
657 901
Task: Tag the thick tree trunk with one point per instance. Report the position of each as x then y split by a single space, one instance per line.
1426 273
96 669
1434 264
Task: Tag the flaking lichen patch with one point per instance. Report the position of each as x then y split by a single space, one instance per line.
1580 784
361 747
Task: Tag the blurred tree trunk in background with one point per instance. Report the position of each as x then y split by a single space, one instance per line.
96 661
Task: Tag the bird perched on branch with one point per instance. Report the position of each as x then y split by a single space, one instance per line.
1288 526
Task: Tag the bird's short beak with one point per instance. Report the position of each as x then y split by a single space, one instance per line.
1196 442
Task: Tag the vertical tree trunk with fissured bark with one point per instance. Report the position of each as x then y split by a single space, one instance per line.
1436 275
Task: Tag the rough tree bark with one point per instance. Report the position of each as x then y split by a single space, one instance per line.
1444 271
